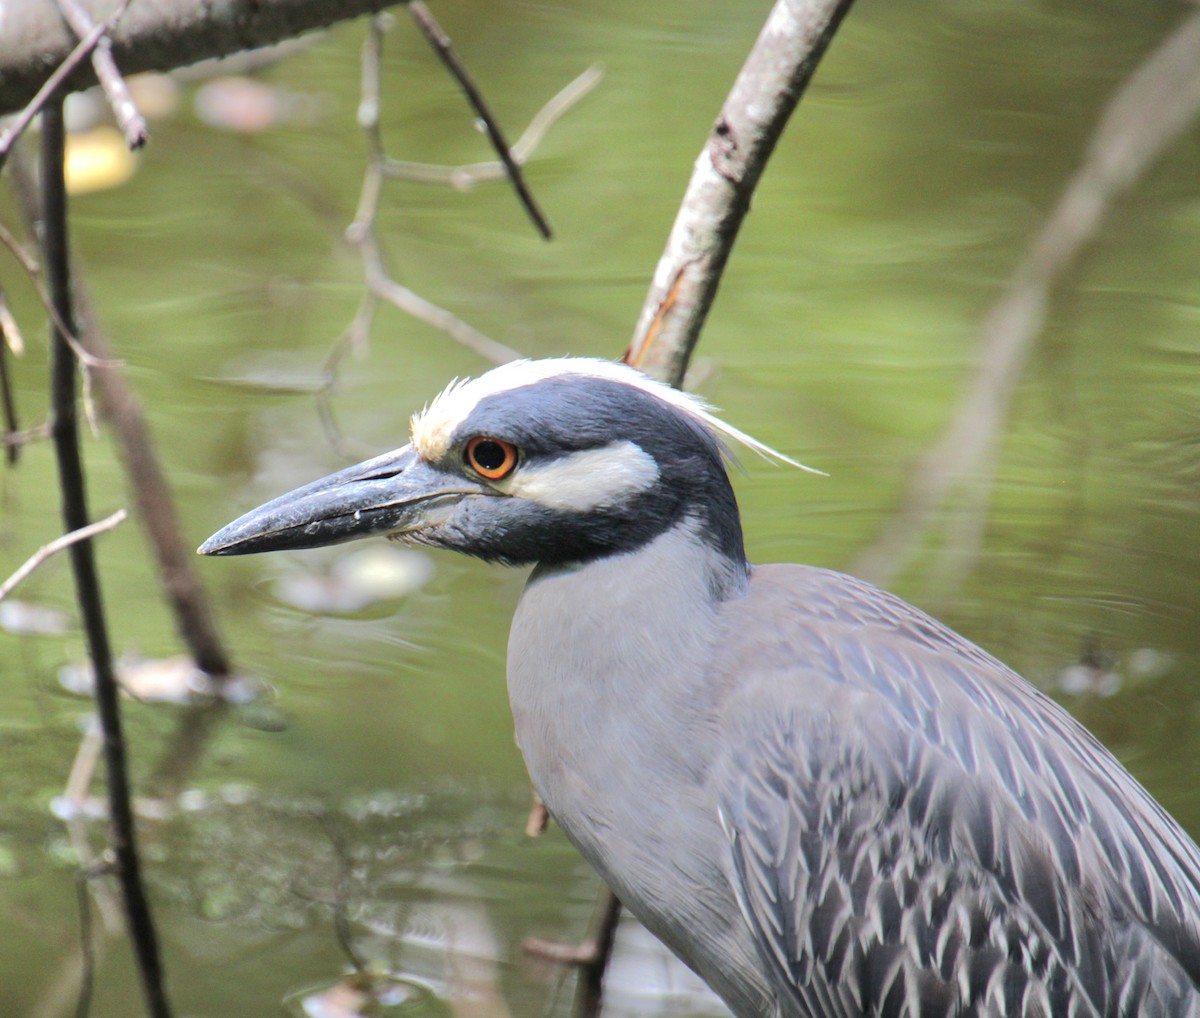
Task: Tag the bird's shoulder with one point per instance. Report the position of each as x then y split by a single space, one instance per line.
914 826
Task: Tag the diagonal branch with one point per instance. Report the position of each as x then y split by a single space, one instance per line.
440 41
156 35
133 124
470 174
52 84
757 109
361 234
1150 111
57 545
87 583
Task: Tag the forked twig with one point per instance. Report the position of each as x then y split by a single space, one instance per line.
132 123
442 46
81 51
469 174
361 233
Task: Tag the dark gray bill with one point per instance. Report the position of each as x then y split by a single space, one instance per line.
394 493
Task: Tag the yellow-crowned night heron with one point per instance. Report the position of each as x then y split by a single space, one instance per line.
821 799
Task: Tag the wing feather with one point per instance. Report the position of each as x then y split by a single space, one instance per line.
919 832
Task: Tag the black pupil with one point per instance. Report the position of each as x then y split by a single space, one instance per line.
489 455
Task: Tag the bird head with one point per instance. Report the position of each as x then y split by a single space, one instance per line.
549 461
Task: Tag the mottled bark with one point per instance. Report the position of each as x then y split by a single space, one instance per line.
153 35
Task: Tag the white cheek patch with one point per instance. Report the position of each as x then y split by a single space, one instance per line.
584 480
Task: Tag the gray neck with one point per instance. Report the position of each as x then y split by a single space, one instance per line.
615 714
606 658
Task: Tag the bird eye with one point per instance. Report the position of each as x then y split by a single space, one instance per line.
493 458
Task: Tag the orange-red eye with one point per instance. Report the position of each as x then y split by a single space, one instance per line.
492 458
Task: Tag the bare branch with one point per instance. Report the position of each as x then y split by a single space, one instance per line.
379 285
28 261
157 36
1150 110
10 332
27 195
87 584
440 41
757 109
361 234
406 300
132 123
10 343
469 174
51 85
590 956
87 947
57 545
27 437
155 505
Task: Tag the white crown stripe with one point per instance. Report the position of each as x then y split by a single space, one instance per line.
434 426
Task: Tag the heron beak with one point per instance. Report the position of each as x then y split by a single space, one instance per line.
394 494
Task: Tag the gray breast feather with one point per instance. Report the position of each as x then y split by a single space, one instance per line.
918 832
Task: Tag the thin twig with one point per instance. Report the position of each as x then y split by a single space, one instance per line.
445 50
131 122
87 951
27 260
379 285
414 304
61 73
75 794
773 78
57 545
361 233
87 583
26 189
10 343
469 174
27 437
596 946
10 331
155 504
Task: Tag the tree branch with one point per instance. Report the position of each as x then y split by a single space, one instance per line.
87 583
57 545
1154 106
771 81
50 87
155 36
155 504
440 42
133 124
